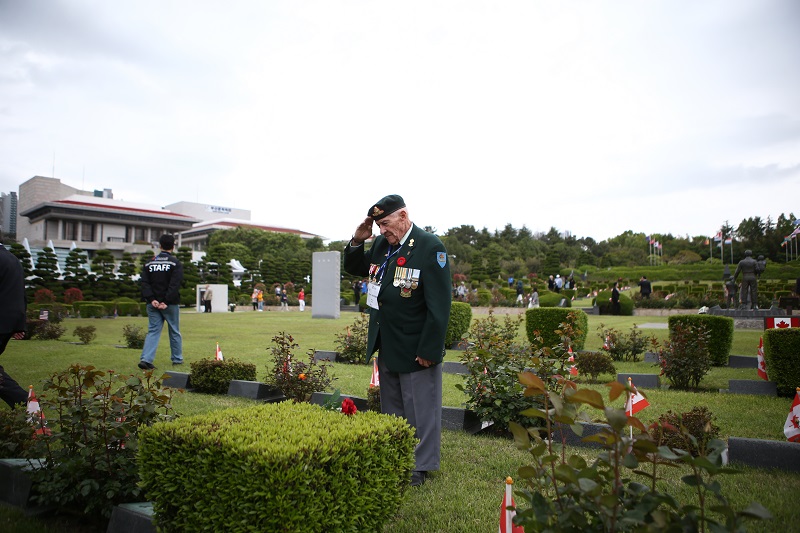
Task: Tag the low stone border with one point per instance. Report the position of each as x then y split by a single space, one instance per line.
758 387
742 361
255 391
641 381
132 518
177 380
322 355
16 487
783 455
454 367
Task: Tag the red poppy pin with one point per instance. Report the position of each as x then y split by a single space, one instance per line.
401 261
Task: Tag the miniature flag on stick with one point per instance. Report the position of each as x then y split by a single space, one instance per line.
636 402
218 354
35 414
375 380
762 365
573 370
792 427
506 515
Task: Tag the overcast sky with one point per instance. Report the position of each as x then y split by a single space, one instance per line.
594 117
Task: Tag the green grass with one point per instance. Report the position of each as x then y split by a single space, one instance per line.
465 495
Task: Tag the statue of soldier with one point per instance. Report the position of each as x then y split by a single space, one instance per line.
748 292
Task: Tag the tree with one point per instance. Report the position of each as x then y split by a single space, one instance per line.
46 271
191 277
105 281
75 273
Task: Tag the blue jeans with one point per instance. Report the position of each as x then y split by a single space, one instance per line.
157 317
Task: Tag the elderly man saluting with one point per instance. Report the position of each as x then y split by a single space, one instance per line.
408 300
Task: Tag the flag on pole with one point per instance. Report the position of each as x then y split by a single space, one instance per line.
718 236
762 365
375 380
506 515
607 343
792 427
35 414
218 354
636 402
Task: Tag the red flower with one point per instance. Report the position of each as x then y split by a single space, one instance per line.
348 407
401 261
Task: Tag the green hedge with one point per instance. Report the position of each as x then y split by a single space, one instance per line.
458 325
603 303
276 467
782 357
720 329
91 310
553 299
547 320
214 377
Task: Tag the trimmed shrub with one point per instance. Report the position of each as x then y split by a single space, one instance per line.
128 309
214 377
277 467
673 430
134 336
594 363
85 333
458 325
553 299
719 329
603 303
544 323
351 346
685 358
89 310
48 331
782 357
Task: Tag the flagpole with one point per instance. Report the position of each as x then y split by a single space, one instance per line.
731 250
630 405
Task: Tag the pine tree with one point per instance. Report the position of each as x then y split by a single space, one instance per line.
191 276
46 271
75 273
105 286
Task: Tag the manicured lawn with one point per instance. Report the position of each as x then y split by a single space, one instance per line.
466 494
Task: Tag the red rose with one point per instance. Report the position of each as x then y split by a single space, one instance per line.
348 407
401 261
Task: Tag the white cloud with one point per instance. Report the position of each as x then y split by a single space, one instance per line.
594 117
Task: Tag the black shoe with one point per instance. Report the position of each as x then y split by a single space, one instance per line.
417 478
144 365
178 363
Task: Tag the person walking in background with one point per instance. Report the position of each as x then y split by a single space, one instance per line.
644 287
254 299
356 292
161 279
533 299
408 301
301 298
284 300
12 321
208 295
260 298
615 307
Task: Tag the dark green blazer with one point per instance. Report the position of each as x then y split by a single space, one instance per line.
405 327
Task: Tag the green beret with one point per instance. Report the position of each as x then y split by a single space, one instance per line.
386 206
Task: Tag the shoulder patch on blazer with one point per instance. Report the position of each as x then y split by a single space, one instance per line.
441 258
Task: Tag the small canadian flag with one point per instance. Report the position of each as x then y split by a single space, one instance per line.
782 322
762 365
792 427
218 354
506 515
573 370
35 414
636 402
375 380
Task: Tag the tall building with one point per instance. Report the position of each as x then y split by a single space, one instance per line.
8 213
50 211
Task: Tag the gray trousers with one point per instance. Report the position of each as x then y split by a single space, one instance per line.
417 397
